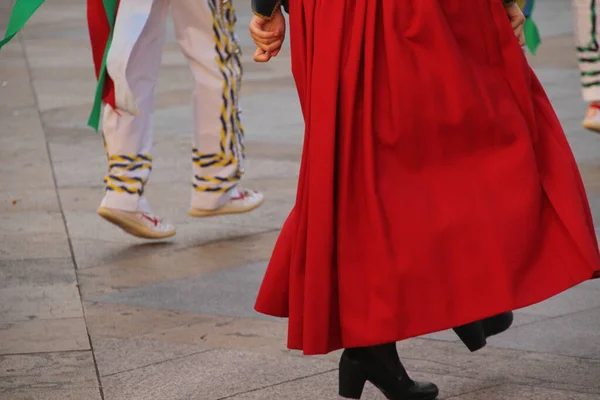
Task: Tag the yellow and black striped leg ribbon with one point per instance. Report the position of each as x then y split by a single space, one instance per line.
227 165
122 171
216 162
589 54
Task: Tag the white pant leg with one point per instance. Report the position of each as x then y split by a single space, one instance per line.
128 138
204 29
587 26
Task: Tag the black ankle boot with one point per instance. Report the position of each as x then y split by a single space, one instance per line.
474 335
359 365
497 324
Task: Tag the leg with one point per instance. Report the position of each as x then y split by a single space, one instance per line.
128 139
588 52
205 31
586 35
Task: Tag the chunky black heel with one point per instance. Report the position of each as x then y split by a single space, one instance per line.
381 366
352 379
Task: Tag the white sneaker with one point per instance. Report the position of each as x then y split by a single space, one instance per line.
245 201
592 118
137 223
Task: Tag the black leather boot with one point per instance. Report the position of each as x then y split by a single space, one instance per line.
381 366
498 324
475 334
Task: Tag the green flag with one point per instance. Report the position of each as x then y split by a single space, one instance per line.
21 12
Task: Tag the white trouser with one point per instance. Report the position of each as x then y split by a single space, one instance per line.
587 26
205 33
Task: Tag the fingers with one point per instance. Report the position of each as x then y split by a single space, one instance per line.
271 48
521 37
518 22
261 56
258 30
269 45
267 41
260 34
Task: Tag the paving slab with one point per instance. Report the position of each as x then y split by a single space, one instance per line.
33 235
43 335
266 337
149 266
539 369
210 375
40 308
574 334
323 387
16 91
24 302
19 199
25 163
49 376
574 300
119 321
114 355
554 18
523 393
36 272
93 251
230 292
64 393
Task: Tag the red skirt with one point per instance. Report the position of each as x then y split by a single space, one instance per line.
436 188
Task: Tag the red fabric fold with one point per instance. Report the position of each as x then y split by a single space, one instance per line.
100 32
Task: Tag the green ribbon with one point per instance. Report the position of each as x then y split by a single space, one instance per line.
21 12
110 6
532 36
531 31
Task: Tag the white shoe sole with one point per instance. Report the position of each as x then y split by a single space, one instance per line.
131 226
226 209
592 126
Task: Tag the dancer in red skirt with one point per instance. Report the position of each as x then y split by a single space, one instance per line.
437 188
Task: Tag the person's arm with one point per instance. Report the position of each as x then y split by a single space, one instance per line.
265 9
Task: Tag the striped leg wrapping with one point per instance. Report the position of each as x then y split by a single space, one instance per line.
588 50
221 171
128 173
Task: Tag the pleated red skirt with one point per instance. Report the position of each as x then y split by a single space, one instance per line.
436 187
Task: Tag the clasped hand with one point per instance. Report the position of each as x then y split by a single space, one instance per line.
268 36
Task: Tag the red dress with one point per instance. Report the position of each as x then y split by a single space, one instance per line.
436 187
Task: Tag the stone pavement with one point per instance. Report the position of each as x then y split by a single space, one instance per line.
89 313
